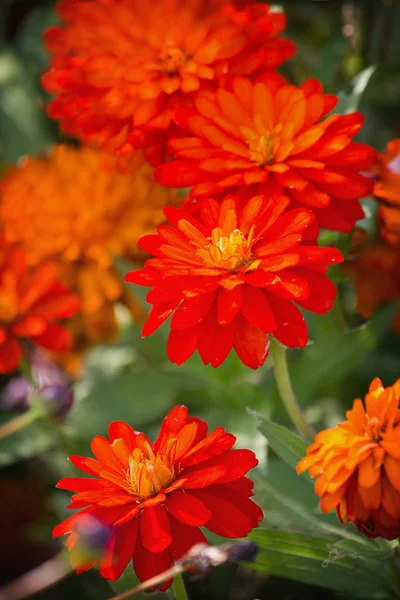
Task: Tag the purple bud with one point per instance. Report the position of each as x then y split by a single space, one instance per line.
94 535
58 399
15 395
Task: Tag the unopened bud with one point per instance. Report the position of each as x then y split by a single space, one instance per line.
58 400
94 537
15 395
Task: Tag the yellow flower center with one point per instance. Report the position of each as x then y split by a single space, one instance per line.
375 429
261 147
228 253
172 59
148 473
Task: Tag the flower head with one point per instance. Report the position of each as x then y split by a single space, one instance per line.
233 277
120 67
357 464
387 191
73 206
156 496
32 303
272 138
375 271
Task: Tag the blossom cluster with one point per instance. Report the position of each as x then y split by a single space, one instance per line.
199 161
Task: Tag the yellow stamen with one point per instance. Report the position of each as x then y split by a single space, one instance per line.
172 59
148 473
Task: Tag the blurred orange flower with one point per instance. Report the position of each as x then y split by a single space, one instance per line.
387 191
72 206
357 464
375 271
32 302
120 67
272 138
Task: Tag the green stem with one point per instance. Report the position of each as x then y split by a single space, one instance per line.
278 354
179 588
20 422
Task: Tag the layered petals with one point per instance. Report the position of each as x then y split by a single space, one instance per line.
74 208
120 69
232 277
272 138
357 464
32 305
152 498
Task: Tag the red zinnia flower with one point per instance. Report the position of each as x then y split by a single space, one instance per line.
120 67
272 137
32 301
232 277
156 496
357 464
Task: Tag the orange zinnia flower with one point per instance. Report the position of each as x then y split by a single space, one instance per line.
120 67
72 207
375 270
32 302
357 464
154 497
271 138
233 277
387 191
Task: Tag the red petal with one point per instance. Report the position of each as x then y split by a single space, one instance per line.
184 538
292 327
256 309
215 443
55 338
226 520
178 173
119 429
175 420
228 304
30 326
192 311
214 342
242 502
187 508
251 344
120 550
147 564
80 463
235 463
10 354
155 528
322 292
181 345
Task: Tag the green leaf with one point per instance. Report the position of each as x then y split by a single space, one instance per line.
289 446
140 398
313 560
349 102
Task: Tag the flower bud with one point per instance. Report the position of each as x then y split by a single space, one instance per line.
58 400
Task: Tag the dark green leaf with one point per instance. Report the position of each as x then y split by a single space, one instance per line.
289 446
313 559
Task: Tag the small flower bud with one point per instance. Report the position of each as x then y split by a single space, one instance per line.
58 400
15 395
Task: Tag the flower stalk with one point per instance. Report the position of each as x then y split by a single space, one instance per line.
282 376
179 588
